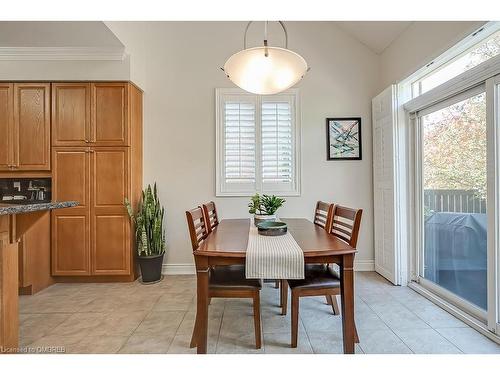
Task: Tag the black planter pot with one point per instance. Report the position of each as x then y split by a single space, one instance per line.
151 268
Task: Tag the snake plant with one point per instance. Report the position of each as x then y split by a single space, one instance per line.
148 220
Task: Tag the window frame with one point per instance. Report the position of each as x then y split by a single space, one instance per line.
222 189
405 86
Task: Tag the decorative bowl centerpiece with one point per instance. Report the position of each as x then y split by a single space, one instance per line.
272 228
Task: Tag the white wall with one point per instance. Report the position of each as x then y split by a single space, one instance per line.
177 65
419 44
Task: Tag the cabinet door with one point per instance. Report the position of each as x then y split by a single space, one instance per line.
70 114
111 245
71 226
32 126
109 114
6 126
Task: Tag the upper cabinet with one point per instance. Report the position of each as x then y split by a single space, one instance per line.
90 114
25 127
32 126
71 114
6 126
109 114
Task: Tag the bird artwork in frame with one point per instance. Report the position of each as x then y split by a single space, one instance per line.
343 137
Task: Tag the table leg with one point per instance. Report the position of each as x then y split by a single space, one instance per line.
202 304
347 295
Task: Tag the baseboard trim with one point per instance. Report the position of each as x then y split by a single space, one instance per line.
178 269
189 268
364 265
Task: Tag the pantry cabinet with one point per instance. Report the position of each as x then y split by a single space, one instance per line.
100 175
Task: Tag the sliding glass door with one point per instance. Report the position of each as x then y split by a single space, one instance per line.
454 196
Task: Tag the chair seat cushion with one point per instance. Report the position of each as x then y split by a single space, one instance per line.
232 277
317 276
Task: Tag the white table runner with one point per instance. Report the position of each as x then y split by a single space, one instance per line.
273 257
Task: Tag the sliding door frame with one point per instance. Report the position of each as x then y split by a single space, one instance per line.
487 76
493 202
419 199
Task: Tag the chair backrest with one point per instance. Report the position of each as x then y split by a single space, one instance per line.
323 215
198 229
211 217
345 224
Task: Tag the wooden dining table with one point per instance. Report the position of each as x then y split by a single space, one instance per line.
227 244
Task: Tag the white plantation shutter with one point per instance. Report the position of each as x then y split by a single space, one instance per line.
277 145
384 123
257 143
239 143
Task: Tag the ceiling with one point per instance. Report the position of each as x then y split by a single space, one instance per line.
57 34
376 35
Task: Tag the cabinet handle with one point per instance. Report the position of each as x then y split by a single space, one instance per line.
87 141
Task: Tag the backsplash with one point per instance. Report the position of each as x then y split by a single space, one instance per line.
25 189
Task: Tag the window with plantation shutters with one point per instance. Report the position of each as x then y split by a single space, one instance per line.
257 143
239 143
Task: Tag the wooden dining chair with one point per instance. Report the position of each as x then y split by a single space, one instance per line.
211 218
323 216
322 279
224 281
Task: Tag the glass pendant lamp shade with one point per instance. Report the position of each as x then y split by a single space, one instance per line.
265 70
255 71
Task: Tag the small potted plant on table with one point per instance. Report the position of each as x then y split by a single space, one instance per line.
149 234
264 207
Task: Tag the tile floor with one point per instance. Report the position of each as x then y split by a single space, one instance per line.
135 318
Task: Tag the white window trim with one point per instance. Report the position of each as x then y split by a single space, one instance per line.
219 140
451 54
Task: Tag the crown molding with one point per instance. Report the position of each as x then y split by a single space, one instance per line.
62 53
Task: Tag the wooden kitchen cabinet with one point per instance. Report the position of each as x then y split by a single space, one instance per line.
34 257
96 238
93 238
31 126
71 226
93 114
25 127
70 114
110 126
110 235
6 126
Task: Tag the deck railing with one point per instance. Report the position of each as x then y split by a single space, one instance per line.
454 201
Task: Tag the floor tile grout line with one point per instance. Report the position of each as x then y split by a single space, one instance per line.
402 340
389 327
439 333
135 329
220 328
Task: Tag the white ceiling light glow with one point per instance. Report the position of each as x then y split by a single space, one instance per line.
265 70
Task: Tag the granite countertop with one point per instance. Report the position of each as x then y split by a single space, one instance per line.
19 208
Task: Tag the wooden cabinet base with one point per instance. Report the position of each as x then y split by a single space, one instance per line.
9 316
95 279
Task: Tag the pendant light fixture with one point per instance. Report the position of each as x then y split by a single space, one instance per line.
265 70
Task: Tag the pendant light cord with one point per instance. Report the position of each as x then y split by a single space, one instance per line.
265 33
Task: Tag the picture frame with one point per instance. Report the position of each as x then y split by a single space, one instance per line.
343 138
